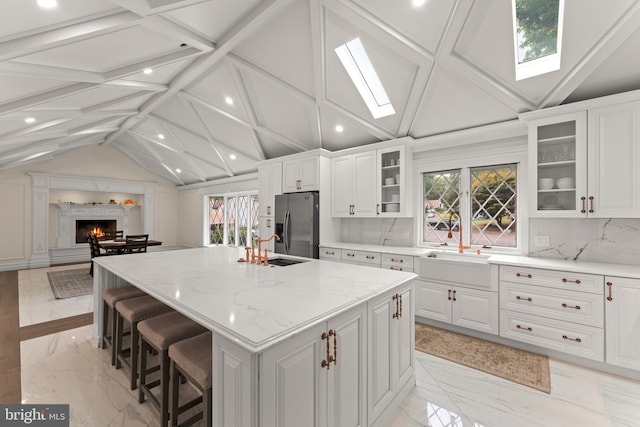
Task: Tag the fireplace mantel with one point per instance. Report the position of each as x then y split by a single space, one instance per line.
42 183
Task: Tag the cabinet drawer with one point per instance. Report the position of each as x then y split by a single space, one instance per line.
331 254
579 307
365 257
398 268
555 279
580 340
404 261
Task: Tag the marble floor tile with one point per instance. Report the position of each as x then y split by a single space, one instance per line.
37 302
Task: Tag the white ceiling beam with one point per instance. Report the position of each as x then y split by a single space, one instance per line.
136 158
147 8
189 157
25 139
35 128
612 39
51 38
29 101
177 55
48 72
94 124
165 27
319 61
116 101
258 17
211 139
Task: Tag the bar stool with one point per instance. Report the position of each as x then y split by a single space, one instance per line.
192 359
110 297
159 333
134 310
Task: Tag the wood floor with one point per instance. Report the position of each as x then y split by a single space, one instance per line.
11 334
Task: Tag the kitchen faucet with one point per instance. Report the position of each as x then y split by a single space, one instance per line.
264 259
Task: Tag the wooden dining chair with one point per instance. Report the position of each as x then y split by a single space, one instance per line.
136 243
114 235
94 247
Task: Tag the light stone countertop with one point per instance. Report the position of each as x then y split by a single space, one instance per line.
253 305
588 267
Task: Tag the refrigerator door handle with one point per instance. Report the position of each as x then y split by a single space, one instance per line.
287 226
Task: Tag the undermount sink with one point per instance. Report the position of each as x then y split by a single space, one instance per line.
283 262
453 267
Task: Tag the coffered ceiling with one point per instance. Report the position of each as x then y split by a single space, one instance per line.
234 82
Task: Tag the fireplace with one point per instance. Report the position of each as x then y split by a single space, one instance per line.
99 227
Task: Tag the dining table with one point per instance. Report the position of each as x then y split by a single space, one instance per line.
118 245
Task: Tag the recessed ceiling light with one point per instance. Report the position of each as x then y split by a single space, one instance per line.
418 3
178 170
147 71
339 128
232 156
47 4
29 120
161 136
228 100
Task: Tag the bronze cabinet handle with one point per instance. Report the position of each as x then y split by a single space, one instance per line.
577 307
393 267
377 208
334 358
268 223
400 297
396 260
268 210
370 257
584 205
528 276
564 337
577 281
526 329
325 363
350 254
396 298
518 297
329 253
449 295
590 204
454 295
610 286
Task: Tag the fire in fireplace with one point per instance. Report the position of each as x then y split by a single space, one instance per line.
97 227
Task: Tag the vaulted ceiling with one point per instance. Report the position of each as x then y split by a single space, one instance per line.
234 82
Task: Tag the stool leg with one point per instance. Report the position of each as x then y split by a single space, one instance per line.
135 336
143 369
175 384
207 401
114 326
164 405
118 336
105 325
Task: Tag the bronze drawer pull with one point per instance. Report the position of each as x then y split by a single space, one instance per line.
610 286
564 337
449 295
577 281
396 260
325 363
518 297
454 295
526 329
584 208
393 267
348 254
577 307
329 253
370 257
528 276
590 204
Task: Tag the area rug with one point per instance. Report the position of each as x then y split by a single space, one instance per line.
512 364
70 283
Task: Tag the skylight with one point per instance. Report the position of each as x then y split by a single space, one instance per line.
537 28
355 60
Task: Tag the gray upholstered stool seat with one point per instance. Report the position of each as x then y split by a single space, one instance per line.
159 333
134 310
110 297
192 358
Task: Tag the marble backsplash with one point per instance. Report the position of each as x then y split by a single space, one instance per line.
614 241
378 231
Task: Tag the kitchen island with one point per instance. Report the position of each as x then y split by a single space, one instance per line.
310 344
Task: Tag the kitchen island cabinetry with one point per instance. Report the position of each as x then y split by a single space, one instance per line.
622 320
268 325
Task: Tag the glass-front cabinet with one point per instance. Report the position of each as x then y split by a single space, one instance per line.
558 159
391 182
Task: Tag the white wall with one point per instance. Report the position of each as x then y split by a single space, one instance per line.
100 161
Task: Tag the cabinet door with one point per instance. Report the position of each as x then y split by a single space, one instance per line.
341 186
405 339
310 174
433 301
391 182
613 161
293 383
291 176
622 319
347 375
364 184
269 185
475 309
380 346
558 165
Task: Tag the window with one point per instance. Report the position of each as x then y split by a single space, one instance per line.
537 27
233 219
475 204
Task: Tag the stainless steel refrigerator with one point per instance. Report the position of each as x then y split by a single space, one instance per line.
297 224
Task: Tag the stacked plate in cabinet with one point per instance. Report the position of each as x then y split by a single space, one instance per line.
566 183
545 183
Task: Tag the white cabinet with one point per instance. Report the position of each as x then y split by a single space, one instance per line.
318 377
330 254
301 174
353 185
613 159
391 341
458 305
558 172
553 309
370 184
622 322
578 171
269 185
